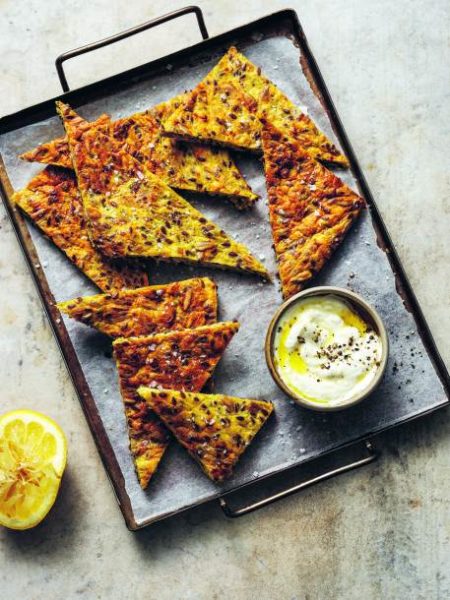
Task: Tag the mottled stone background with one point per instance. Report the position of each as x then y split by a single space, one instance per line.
383 532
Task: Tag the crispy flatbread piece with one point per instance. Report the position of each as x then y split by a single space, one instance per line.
180 360
99 163
278 110
215 429
142 216
310 209
182 166
147 310
51 200
217 110
223 109
145 218
56 152
185 167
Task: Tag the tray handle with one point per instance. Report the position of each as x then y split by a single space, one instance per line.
372 454
125 34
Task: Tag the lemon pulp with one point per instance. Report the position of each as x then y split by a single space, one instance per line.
33 453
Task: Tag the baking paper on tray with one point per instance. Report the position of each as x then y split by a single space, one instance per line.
293 434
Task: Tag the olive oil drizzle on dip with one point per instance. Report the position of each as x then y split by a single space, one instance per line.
324 351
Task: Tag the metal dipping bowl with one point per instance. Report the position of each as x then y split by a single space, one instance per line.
363 309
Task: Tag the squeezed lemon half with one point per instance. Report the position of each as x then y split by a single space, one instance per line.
33 455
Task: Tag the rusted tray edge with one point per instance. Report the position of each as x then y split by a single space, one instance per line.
67 350
102 87
60 332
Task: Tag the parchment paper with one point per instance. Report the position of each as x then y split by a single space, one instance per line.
293 435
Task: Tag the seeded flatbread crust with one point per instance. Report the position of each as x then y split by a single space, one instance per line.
56 152
195 168
181 360
143 217
147 310
224 107
276 108
51 200
214 429
99 163
310 209
217 111
181 166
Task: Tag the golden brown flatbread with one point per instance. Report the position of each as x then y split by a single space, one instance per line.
279 111
181 360
51 200
215 429
186 167
56 152
145 218
181 166
224 108
132 213
147 310
217 111
310 209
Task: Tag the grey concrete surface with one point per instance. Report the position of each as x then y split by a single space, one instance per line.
382 532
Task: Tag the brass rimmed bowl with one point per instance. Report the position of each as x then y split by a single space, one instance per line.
363 309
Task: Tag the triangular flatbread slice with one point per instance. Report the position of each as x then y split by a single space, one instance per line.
215 429
186 167
99 163
147 310
217 111
181 166
181 360
223 109
56 152
51 200
278 110
143 217
310 209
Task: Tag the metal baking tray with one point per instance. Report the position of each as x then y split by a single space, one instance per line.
416 380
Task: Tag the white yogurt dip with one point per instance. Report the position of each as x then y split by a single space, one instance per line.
324 351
